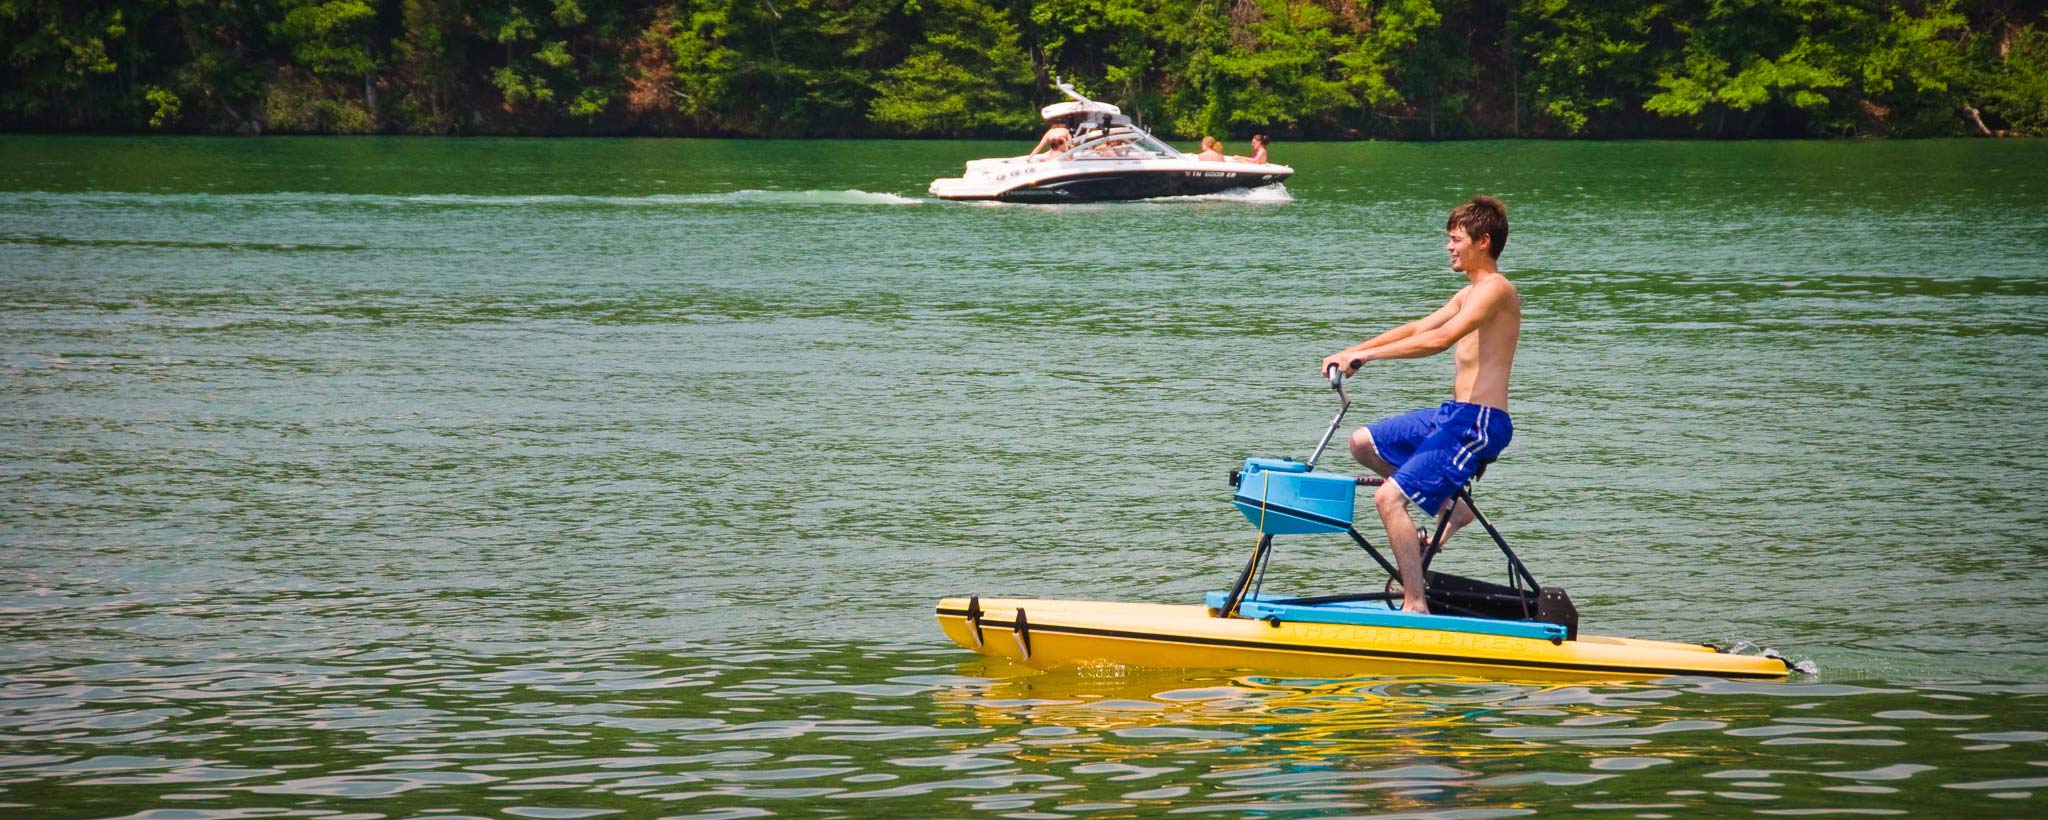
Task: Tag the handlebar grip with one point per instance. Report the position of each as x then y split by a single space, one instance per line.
1335 375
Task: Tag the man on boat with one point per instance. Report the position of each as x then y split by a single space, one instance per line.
1056 139
1429 454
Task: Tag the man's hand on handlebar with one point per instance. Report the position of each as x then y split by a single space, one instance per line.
1346 363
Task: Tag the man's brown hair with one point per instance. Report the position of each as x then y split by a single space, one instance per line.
1482 216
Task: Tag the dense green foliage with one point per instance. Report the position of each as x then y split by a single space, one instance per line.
1298 68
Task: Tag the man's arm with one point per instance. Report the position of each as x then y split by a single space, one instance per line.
1476 305
1434 320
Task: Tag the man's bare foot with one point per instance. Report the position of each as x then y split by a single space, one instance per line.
1410 606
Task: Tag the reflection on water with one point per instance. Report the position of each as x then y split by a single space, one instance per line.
813 731
1425 746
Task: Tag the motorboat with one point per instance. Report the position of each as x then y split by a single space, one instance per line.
1107 158
1517 630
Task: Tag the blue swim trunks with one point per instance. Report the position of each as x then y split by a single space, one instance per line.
1436 451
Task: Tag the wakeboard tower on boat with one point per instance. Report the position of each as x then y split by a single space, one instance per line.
1519 630
1107 158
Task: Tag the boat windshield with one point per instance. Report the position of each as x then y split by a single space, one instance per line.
1119 142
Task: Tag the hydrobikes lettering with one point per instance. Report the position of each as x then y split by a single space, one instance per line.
1415 638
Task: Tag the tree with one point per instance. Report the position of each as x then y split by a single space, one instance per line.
1106 47
1747 57
969 76
1305 68
2015 88
428 62
56 51
330 41
1588 60
1299 66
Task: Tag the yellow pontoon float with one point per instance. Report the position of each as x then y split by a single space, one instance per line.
1517 630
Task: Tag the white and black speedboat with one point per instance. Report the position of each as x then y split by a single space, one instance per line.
1106 158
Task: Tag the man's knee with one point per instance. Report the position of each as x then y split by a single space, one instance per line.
1389 499
1365 452
1361 444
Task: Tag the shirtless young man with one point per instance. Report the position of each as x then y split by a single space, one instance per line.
1429 454
1056 138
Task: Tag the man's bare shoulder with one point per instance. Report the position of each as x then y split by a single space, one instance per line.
1491 291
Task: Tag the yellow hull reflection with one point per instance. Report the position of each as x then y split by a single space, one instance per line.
1055 634
1381 730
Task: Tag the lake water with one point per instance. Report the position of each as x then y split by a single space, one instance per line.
392 478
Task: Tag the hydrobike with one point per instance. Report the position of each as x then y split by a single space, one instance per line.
1519 630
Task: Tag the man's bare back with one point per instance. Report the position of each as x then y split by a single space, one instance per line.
1429 455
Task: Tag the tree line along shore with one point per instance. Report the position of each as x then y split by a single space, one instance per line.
1300 69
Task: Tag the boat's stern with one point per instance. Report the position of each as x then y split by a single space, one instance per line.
961 188
982 179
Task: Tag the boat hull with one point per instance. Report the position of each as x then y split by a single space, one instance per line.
1101 181
1104 187
1056 634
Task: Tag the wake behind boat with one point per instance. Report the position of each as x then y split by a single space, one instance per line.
1518 630
1108 158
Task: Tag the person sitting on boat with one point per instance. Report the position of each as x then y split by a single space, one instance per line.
1258 151
1430 454
1115 147
1056 140
1212 150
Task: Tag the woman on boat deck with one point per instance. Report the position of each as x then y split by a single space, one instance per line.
1212 150
1258 151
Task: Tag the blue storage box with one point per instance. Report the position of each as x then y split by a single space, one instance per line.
1283 497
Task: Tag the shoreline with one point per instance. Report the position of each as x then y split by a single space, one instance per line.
2005 136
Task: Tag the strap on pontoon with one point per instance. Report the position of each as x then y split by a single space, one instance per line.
1254 568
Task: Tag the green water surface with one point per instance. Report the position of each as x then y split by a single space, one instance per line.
391 478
